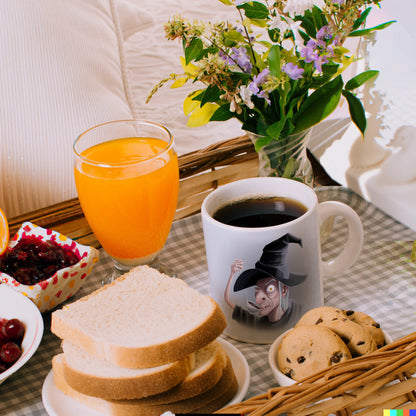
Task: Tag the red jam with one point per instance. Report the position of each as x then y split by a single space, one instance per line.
33 260
11 336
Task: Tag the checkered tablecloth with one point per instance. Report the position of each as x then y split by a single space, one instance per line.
382 283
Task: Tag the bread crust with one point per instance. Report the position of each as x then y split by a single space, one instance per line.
208 401
162 379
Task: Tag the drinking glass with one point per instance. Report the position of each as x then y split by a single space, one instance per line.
127 178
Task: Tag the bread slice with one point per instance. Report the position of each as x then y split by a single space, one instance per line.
210 362
100 378
140 320
213 399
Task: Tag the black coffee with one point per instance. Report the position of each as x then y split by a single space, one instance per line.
260 212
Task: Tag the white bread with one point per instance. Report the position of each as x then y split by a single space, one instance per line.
142 319
96 377
210 362
100 378
213 399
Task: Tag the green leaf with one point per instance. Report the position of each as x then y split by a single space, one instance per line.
227 2
361 19
193 50
360 79
255 10
356 111
273 59
319 105
205 52
364 32
274 130
222 113
210 94
234 35
304 36
261 142
319 17
309 26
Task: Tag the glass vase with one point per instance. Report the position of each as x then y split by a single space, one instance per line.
286 157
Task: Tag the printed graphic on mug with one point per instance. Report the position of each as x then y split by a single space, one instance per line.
267 286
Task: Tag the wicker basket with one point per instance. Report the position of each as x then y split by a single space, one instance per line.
204 170
362 386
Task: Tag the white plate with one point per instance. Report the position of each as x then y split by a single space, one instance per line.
57 403
15 305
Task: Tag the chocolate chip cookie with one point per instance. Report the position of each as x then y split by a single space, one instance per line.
368 322
310 348
321 315
358 338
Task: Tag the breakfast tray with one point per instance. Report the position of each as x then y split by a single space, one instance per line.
382 283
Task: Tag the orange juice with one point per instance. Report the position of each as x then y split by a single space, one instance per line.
128 194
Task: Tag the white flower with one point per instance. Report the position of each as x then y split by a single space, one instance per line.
278 23
245 94
297 7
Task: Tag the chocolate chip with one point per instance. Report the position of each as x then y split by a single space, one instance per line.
288 360
290 373
377 325
301 359
336 358
349 312
360 342
319 321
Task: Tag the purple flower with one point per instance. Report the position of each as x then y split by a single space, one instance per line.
325 32
261 78
292 70
254 86
240 57
309 53
338 1
319 61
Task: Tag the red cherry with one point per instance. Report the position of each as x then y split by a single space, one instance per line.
10 352
13 330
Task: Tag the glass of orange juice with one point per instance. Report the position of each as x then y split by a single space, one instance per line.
127 179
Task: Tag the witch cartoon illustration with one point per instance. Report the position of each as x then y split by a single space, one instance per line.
271 279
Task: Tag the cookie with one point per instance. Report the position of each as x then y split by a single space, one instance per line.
321 315
368 322
358 338
310 348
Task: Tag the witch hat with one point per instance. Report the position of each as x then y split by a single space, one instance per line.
272 264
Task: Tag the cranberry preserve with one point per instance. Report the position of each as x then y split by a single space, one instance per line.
33 260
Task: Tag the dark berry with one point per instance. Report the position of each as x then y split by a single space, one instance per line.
13 330
10 352
33 260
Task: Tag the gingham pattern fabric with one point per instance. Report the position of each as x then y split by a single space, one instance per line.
382 283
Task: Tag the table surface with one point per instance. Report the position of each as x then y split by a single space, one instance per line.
382 283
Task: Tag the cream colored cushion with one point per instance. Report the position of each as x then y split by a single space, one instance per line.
62 71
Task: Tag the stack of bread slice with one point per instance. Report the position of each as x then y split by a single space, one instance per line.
142 345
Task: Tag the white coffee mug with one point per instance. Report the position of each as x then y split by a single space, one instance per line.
266 278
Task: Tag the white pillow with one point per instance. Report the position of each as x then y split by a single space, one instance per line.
62 71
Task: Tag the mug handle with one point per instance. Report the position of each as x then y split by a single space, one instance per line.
354 243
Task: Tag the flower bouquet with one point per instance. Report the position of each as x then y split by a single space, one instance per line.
278 69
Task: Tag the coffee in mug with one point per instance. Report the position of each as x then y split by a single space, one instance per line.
262 239
259 212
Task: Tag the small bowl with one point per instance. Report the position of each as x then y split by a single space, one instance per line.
65 282
15 305
282 379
